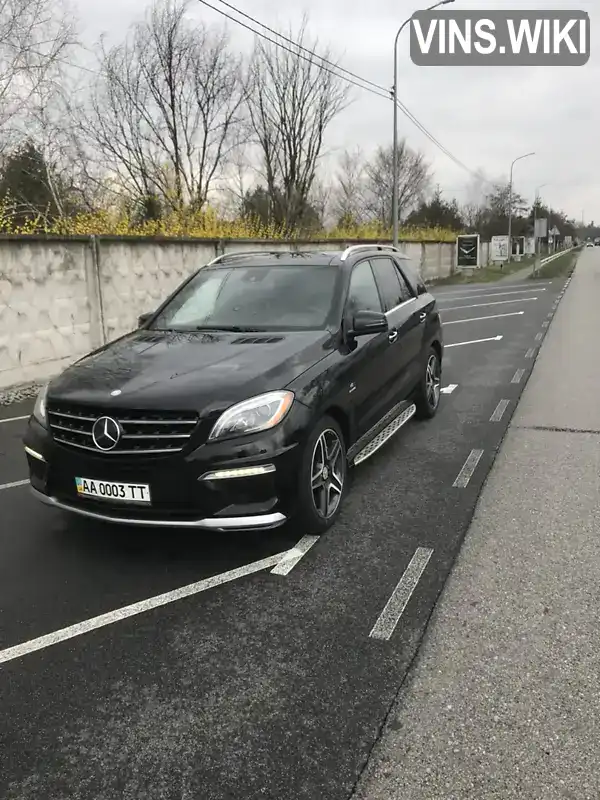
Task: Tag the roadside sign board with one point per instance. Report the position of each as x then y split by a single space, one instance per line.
499 248
530 246
541 228
467 250
568 241
554 231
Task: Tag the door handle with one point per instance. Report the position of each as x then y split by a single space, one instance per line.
392 336
422 316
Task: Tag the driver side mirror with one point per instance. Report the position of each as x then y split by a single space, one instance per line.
143 318
365 323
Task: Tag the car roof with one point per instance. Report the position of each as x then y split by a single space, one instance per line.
305 257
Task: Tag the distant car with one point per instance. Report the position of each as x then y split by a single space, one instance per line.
244 399
589 244
597 242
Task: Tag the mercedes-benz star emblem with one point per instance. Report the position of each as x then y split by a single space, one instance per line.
106 433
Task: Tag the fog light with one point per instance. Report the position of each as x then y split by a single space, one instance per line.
33 454
240 472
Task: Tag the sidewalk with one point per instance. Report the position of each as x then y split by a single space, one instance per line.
503 701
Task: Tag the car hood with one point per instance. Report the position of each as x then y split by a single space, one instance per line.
189 371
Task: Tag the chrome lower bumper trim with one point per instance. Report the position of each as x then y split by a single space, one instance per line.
259 522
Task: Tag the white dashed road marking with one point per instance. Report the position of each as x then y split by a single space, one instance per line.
539 336
530 353
516 378
293 556
449 389
474 341
13 419
12 485
468 468
33 645
499 411
394 608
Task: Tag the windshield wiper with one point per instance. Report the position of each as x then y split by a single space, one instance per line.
227 328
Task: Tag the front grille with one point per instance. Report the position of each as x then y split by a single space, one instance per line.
142 432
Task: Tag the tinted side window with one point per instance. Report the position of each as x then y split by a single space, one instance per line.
407 291
363 294
388 279
412 277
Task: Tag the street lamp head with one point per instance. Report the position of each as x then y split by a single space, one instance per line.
439 3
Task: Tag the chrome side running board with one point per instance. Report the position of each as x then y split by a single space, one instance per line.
390 429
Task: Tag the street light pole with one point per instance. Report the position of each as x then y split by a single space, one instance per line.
510 194
535 236
395 188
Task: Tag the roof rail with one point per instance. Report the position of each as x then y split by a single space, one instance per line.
248 253
353 248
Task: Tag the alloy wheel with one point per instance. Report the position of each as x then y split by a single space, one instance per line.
432 381
327 473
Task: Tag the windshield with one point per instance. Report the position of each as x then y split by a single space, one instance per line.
252 299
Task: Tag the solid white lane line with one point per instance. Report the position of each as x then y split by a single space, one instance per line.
449 389
499 411
394 608
468 468
293 556
539 337
497 303
13 419
13 485
443 292
20 650
474 341
478 319
493 294
517 376
530 353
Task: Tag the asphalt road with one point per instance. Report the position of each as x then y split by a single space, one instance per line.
269 685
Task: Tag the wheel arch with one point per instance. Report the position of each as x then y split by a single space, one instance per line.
341 417
436 344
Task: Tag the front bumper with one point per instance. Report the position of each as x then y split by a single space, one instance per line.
184 490
258 521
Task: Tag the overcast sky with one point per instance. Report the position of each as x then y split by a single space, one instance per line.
485 116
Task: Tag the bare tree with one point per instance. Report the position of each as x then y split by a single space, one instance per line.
349 190
294 97
414 178
35 36
167 106
319 199
472 214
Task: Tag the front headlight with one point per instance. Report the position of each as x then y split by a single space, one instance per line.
254 415
39 410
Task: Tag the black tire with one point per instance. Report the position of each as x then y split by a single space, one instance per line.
309 517
427 398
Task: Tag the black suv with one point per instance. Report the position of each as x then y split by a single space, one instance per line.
243 400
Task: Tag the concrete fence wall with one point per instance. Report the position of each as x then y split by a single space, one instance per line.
61 298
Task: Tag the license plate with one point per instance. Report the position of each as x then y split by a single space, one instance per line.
109 490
